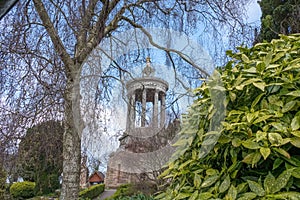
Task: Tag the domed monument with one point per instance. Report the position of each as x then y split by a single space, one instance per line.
144 147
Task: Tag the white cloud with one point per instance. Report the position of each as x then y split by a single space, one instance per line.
254 12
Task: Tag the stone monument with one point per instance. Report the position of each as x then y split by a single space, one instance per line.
146 133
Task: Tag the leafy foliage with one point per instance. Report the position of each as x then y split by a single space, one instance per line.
129 192
40 156
48 183
92 192
256 155
122 191
136 197
22 190
279 17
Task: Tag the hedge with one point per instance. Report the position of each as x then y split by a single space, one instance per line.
22 190
92 192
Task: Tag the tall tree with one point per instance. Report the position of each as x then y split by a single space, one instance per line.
45 43
279 17
40 156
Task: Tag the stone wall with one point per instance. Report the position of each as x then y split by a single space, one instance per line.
114 178
128 164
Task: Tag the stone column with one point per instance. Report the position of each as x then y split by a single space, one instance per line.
163 110
119 173
155 110
128 122
132 112
143 122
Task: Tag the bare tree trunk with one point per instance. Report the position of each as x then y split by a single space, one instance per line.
72 133
71 143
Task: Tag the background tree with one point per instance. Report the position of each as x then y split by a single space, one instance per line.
40 156
40 79
2 182
279 17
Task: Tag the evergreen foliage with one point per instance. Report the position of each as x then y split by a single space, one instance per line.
256 154
2 182
22 190
279 17
40 156
135 197
122 191
92 192
129 192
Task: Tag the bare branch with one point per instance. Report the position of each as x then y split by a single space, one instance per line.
58 45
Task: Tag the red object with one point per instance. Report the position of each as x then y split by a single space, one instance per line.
96 178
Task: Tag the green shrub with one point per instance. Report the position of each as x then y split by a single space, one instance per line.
255 155
145 187
46 183
22 190
92 192
122 191
135 197
132 192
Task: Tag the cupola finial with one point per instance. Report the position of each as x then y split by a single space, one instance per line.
148 70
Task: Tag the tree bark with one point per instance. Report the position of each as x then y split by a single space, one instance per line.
73 121
72 142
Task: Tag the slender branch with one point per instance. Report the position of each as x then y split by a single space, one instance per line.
64 15
87 15
182 55
56 40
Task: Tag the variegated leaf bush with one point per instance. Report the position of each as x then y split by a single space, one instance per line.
257 152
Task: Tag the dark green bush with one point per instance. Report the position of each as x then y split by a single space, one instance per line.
46 183
92 192
40 156
22 190
2 183
2 192
256 153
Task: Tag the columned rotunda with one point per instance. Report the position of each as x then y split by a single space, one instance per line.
146 135
147 103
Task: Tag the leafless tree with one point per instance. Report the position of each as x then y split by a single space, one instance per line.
45 43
